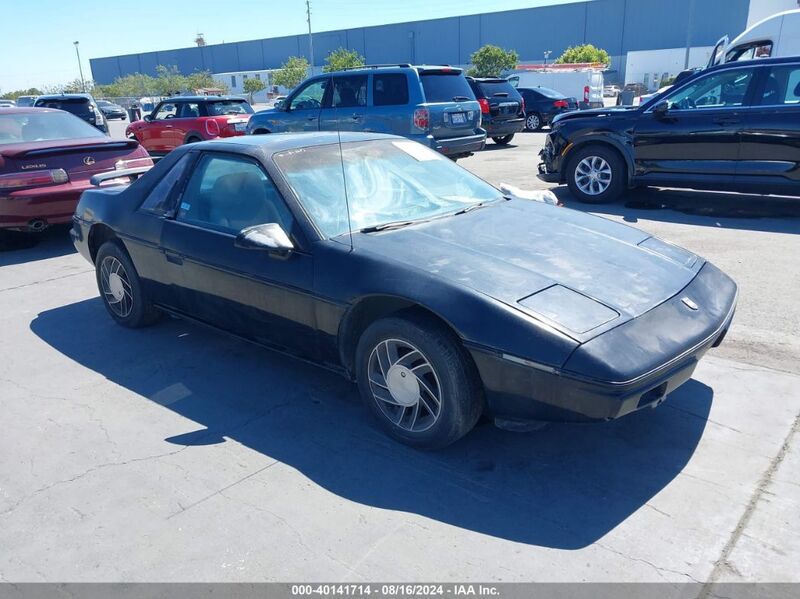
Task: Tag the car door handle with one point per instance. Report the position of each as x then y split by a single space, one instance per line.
173 257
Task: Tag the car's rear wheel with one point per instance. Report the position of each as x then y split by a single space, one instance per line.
533 122
502 141
121 289
418 381
596 174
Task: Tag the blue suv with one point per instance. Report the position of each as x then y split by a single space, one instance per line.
433 105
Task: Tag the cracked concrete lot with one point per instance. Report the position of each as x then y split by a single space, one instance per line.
177 454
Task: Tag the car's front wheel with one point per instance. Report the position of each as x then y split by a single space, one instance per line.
121 289
533 122
504 140
418 381
596 174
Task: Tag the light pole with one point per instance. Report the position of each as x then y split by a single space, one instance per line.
310 37
547 54
80 68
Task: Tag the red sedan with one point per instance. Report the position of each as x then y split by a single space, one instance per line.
46 160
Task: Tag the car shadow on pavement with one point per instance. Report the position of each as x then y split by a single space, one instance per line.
18 248
772 214
564 487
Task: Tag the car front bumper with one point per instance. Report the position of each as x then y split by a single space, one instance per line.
550 165
518 391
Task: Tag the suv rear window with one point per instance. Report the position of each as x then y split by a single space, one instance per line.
229 107
77 106
498 88
390 89
441 86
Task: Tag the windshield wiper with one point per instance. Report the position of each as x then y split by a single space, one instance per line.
472 207
392 225
461 98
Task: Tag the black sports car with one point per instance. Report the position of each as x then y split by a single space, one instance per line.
379 258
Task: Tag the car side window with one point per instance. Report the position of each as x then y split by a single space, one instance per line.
228 193
311 96
161 199
188 110
720 90
350 92
782 87
390 89
166 111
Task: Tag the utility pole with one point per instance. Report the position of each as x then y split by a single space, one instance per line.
80 68
546 56
689 34
310 37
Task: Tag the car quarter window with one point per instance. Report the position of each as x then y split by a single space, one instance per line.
350 92
782 87
188 110
390 89
161 199
166 111
724 89
311 96
228 193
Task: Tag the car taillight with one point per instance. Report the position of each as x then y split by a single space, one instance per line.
560 104
422 118
212 127
585 93
484 105
33 179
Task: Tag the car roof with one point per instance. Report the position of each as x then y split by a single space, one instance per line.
420 68
57 96
489 79
279 142
204 99
28 110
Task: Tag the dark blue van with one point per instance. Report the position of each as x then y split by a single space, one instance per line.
433 105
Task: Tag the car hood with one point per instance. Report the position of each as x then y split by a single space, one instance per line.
594 113
514 249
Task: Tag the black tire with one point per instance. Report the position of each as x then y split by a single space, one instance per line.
141 311
615 187
533 122
504 140
452 374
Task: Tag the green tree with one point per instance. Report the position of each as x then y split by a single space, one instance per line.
203 79
169 80
341 59
31 91
292 72
253 86
491 61
584 53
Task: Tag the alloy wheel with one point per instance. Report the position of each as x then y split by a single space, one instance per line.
404 385
532 122
593 175
116 286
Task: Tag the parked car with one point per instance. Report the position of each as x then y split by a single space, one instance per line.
380 258
46 160
543 104
81 105
189 119
611 91
7 104
111 110
585 84
25 101
732 127
502 108
638 89
433 105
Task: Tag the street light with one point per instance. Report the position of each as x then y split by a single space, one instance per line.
80 69
547 54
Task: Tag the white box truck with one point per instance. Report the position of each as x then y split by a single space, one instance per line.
775 36
585 84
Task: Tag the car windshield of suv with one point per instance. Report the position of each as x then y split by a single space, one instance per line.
229 107
445 86
44 126
502 89
77 106
387 181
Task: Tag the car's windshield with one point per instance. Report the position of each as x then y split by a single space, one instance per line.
386 181
43 126
229 107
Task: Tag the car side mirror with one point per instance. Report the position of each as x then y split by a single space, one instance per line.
269 236
661 109
147 118
280 105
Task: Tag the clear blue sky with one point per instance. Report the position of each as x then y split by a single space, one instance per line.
36 37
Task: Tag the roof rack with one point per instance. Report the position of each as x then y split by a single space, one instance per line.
376 66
